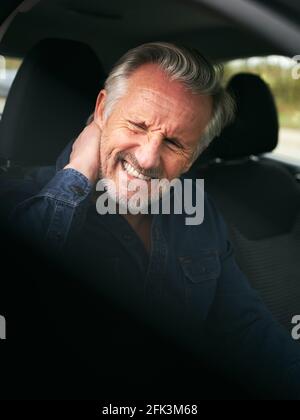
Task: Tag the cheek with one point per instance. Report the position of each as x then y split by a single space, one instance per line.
112 143
116 141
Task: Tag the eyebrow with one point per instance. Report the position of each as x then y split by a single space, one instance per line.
144 126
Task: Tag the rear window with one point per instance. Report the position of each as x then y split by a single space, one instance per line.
8 70
282 74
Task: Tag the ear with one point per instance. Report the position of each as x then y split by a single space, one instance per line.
99 109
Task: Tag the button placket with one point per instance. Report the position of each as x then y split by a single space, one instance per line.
157 265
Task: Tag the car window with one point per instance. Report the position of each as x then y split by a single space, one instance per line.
283 77
8 70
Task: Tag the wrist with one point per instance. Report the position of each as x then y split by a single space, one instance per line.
89 173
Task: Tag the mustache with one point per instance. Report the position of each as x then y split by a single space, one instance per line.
132 160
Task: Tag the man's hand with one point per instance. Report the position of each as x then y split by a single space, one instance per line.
85 156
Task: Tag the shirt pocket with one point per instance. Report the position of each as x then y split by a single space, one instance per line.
203 266
200 272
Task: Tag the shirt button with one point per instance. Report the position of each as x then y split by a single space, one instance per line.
77 190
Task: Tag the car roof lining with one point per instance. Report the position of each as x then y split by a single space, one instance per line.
288 8
114 27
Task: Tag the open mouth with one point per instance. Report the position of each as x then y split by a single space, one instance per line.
127 167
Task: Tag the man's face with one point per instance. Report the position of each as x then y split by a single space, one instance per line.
152 131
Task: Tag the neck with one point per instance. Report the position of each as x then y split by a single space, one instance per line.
141 224
136 221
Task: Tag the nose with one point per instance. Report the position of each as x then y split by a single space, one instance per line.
148 153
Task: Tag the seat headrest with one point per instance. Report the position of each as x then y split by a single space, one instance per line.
53 94
255 128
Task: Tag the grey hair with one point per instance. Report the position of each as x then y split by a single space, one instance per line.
182 64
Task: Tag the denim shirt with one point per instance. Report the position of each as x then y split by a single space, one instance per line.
190 285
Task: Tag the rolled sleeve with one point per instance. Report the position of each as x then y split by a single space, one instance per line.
68 186
49 216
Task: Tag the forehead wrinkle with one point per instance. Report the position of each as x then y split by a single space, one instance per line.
159 100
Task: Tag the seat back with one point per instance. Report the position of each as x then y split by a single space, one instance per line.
259 198
53 94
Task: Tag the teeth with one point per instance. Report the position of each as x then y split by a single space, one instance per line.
130 169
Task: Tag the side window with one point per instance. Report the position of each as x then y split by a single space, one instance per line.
8 70
283 77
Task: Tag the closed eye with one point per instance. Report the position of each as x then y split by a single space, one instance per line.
173 142
140 126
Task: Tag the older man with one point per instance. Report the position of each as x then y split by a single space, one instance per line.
161 107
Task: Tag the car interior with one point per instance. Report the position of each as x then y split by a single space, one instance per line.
67 48
253 193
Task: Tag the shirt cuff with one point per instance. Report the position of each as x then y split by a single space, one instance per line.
68 186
